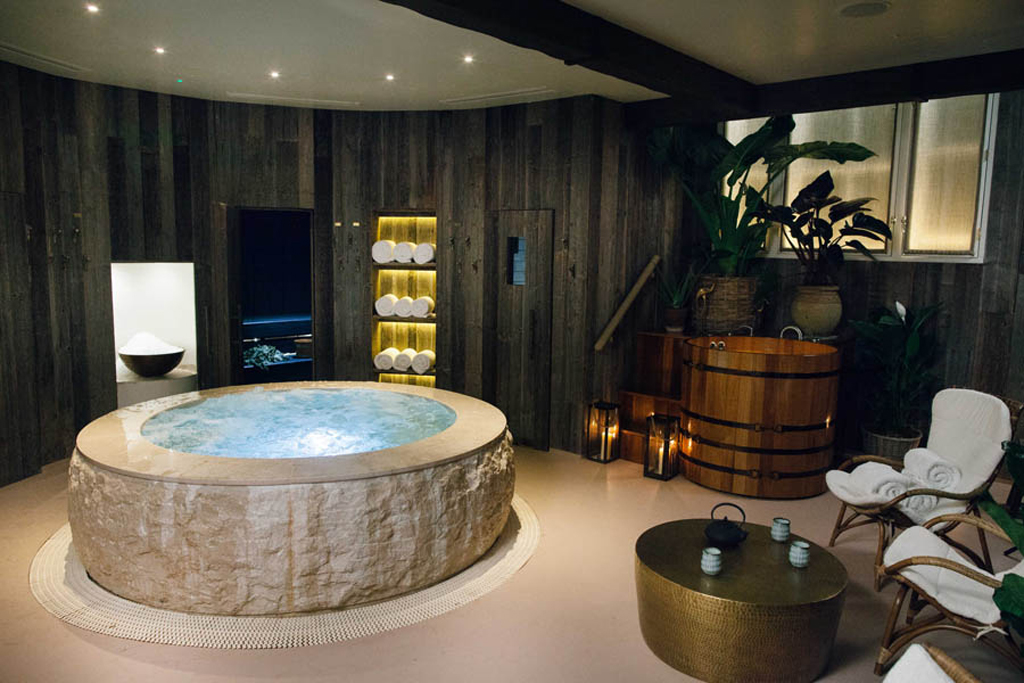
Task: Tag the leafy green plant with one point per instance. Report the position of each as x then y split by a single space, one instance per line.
262 356
897 348
715 175
814 238
1009 597
677 292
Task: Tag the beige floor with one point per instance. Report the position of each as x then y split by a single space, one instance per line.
569 615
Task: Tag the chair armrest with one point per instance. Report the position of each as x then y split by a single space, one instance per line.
970 520
858 459
930 561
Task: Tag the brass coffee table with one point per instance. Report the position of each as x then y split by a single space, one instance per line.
760 619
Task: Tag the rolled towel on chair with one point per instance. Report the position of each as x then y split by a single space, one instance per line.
423 361
385 360
403 307
403 361
931 469
422 307
404 251
385 305
383 251
423 253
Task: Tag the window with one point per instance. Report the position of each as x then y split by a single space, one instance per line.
930 176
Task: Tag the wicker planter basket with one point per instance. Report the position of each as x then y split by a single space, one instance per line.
725 304
893 447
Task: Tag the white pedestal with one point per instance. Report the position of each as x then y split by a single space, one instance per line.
132 388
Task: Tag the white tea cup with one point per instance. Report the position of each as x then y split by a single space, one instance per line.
711 561
780 529
799 554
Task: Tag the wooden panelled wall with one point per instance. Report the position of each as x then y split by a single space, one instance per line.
91 173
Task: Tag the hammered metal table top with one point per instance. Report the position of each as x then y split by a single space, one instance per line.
756 571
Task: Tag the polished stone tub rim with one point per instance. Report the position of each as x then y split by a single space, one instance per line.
115 442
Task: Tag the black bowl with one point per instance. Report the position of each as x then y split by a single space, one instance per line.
152 365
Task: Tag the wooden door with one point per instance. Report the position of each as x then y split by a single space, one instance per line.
520 281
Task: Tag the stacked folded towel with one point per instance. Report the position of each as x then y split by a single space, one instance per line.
423 361
422 307
403 361
929 468
423 253
403 252
403 307
383 251
385 305
385 360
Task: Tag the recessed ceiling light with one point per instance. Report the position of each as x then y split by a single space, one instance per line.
93 9
390 77
159 50
865 8
275 74
468 59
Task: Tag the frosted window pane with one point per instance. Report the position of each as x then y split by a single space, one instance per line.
873 127
947 161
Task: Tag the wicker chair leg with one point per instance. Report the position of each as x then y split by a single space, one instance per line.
984 545
838 528
879 552
884 654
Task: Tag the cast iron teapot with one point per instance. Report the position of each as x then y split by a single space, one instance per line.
722 533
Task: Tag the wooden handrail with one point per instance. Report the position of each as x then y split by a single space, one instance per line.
620 312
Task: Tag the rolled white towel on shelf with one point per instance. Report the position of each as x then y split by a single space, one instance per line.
385 360
385 305
404 251
423 253
931 470
423 361
383 251
422 307
403 307
403 361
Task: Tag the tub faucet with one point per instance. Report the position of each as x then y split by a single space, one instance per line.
799 332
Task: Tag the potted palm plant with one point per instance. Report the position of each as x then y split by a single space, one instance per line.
676 294
818 239
715 174
897 350
1010 596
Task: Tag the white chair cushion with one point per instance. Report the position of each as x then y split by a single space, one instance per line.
914 666
968 429
955 592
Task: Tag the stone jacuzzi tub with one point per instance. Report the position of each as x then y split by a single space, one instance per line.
336 520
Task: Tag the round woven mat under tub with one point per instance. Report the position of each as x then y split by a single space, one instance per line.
62 587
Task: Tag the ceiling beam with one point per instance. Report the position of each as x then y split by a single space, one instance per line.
994 72
579 38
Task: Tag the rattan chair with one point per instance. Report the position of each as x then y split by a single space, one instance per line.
930 573
891 515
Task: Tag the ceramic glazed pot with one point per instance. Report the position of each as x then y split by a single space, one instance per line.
675 319
893 447
817 309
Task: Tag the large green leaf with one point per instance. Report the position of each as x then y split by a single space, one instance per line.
854 232
1013 528
848 208
1009 598
781 156
752 148
863 221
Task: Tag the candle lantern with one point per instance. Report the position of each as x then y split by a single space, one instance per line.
602 438
661 455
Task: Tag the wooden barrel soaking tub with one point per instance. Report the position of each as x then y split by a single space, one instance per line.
757 415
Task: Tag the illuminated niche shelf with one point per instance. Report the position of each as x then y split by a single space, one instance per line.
404 279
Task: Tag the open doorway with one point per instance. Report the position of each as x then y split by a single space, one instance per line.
273 292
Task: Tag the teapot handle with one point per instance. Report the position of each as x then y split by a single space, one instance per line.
732 505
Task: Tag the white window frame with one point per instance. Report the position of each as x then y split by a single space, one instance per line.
899 191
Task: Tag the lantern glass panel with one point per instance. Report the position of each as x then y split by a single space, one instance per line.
602 442
661 455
